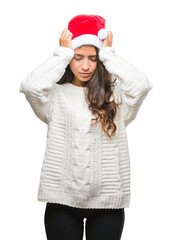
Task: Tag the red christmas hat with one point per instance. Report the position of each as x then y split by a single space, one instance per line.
87 29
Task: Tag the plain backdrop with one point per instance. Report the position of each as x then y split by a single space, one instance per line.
30 32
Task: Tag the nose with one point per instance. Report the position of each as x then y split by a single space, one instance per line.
85 65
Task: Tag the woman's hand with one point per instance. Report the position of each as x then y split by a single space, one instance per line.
65 38
108 41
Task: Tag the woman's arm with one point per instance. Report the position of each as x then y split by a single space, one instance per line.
39 84
134 85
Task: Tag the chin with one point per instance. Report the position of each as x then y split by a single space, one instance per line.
84 79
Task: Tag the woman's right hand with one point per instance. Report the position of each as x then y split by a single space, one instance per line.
65 38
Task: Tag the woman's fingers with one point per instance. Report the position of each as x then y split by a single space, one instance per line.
110 35
65 38
63 34
108 41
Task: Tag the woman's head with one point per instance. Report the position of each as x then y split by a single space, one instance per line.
84 62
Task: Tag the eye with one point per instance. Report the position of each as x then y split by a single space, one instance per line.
77 59
94 60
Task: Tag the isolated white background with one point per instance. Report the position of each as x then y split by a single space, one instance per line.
30 33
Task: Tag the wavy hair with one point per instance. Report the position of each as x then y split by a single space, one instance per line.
100 89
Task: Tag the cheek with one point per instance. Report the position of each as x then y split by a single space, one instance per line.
73 66
94 66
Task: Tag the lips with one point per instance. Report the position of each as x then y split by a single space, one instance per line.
85 74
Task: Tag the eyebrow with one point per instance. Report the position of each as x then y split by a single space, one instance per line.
83 55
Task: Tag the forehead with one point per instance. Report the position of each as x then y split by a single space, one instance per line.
85 50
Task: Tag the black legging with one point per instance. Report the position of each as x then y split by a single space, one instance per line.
63 222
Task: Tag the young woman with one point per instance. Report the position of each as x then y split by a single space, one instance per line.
87 95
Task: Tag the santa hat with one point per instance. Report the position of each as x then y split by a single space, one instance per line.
87 29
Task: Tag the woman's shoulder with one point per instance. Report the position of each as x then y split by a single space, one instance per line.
60 87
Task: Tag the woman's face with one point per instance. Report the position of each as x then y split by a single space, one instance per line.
84 61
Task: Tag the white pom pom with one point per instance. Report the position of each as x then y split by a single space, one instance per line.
102 33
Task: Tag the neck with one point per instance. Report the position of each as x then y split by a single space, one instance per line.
78 83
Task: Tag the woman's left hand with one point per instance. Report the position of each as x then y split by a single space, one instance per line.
108 41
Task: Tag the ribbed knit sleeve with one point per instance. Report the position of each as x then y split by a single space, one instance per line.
39 84
134 85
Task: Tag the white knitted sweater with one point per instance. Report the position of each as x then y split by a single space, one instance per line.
82 167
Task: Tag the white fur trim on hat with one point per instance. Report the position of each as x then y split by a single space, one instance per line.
86 39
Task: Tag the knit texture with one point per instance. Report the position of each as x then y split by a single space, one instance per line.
82 167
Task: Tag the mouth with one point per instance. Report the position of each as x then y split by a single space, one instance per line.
85 74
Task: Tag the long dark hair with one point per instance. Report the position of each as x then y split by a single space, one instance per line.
100 89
